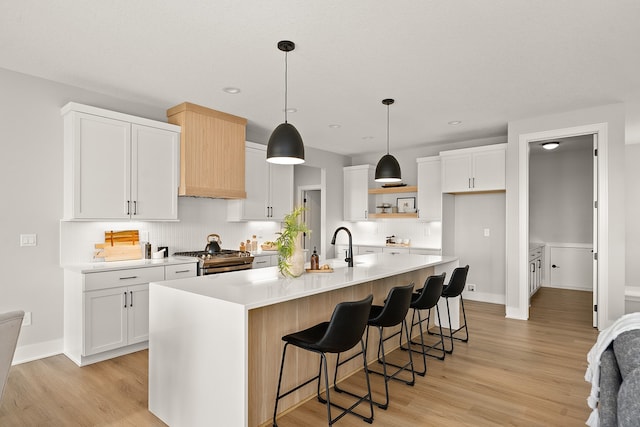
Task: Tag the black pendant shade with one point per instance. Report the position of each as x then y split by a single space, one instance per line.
285 144
388 168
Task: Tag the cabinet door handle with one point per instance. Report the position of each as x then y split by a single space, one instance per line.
125 299
366 214
469 183
182 271
261 262
131 302
128 207
135 207
473 182
128 277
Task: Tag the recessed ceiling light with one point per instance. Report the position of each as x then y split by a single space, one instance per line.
291 110
550 145
455 122
231 90
335 126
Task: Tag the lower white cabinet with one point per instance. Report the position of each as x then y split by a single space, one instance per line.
360 250
263 261
422 251
429 189
395 251
106 313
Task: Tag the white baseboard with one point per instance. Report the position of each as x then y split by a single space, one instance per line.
484 297
516 313
28 353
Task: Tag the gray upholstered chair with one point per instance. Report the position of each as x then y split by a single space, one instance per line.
9 330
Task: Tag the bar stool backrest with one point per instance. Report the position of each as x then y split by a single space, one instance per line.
10 324
346 327
395 307
456 283
431 292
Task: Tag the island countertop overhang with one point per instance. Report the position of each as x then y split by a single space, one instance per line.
262 287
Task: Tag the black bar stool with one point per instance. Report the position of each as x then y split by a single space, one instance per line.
341 333
454 289
393 313
425 299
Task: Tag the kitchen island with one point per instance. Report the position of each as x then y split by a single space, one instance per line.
215 341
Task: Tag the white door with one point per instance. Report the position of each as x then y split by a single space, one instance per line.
356 194
138 313
595 231
571 267
154 173
102 157
105 322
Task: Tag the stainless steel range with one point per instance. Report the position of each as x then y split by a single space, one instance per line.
216 260
220 262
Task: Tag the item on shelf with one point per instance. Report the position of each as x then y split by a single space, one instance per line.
406 204
315 260
391 239
393 184
384 207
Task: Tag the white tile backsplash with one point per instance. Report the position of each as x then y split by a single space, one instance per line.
422 234
199 217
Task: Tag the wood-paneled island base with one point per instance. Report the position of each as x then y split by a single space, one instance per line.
215 341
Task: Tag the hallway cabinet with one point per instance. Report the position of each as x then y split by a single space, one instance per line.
474 169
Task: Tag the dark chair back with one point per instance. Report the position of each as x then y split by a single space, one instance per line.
346 327
395 307
430 294
456 283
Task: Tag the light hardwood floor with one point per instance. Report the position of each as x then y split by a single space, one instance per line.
510 373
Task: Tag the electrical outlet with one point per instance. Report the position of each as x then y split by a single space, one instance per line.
471 287
26 320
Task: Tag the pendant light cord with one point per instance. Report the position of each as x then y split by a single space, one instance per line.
286 69
387 129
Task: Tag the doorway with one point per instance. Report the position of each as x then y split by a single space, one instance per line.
562 217
312 202
600 214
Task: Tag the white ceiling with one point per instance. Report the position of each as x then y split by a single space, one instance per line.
482 62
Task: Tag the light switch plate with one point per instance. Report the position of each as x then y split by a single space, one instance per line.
28 240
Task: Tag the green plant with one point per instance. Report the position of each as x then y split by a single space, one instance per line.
286 241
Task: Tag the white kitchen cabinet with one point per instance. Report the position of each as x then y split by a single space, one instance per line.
358 203
429 189
536 263
395 251
269 189
473 169
106 313
422 251
264 261
360 250
119 166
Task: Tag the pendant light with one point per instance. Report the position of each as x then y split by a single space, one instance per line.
285 144
388 168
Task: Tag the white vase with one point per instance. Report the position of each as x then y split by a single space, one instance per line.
295 261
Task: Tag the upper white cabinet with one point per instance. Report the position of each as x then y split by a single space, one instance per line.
429 189
358 203
473 169
269 189
119 166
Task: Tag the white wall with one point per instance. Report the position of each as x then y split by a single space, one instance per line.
561 193
32 169
632 178
613 116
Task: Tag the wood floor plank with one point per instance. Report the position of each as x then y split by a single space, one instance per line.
511 372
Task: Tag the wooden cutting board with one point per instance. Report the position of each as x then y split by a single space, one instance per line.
119 246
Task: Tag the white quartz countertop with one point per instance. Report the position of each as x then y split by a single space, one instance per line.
262 287
95 267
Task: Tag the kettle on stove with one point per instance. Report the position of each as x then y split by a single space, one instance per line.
213 244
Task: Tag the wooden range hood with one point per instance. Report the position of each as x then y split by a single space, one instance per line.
211 152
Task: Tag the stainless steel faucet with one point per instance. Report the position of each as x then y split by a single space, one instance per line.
349 258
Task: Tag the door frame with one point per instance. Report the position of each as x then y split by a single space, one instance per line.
602 240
